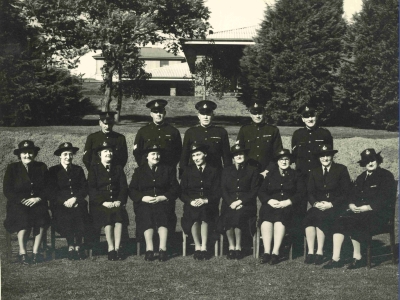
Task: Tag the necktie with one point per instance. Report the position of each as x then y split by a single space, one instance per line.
201 169
153 169
240 167
68 169
108 168
325 172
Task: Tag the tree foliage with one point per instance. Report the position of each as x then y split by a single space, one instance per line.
296 58
370 77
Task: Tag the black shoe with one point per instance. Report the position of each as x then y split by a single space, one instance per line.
80 255
112 255
332 264
162 255
120 254
231 254
274 259
35 258
71 255
265 258
149 255
239 254
310 258
356 264
197 255
203 255
319 259
23 259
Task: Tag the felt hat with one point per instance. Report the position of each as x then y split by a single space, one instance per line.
67 146
25 145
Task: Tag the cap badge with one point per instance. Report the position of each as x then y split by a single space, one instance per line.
237 142
156 104
324 148
66 145
26 144
154 146
255 105
282 152
237 147
205 106
193 147
367 152
107 115
104 143
307 108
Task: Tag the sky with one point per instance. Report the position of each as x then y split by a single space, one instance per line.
231 14
225 15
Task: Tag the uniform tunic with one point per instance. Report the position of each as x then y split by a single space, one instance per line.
120 154
107 186
194 185
164 135
275 186
144 182
262 139
215 137
63 186
306 142
376 190
19 184
238 185
334 188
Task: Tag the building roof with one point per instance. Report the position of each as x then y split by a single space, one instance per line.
172 72
244 33
152 53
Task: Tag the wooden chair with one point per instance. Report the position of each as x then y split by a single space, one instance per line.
184 244
259 238
9 252
387 228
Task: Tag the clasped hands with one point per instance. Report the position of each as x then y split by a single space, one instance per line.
323 205
71 202
279 204
198 202
31 201
359 209
153 200
112 204
236 204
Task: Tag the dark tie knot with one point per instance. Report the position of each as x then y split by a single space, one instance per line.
201 169
108 168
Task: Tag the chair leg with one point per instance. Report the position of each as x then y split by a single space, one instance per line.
258 236
255 245
44 244
369 254
8 246
53 242
138 248
221 243
291 252
305 248
392 246
216 248
90 253
183 244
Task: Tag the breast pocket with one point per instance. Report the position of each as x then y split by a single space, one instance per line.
215 142
302 149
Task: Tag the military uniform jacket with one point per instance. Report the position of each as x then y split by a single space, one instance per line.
107 186
377 190
305 142
201 185
65 185
240 185
262 139
215 137
162 183
335 188
165 135
274 186
96 139
18 184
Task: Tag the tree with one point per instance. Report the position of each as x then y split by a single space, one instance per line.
296 58
370 77
118 29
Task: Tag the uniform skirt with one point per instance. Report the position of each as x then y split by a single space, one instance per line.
71 220
357 226
103 216
324 220
269 214
191 214
21 217
150 216
237 218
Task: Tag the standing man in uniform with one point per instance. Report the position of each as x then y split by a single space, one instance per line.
214 137
307 140
106 134
261 139
158 132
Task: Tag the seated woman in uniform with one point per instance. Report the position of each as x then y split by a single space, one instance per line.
25 188
328 187
153 184
280 191
68 186
371 193
108 193
239 186
200 186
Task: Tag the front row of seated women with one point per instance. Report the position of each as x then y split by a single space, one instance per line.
338 206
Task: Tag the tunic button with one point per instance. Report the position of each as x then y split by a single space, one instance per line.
206 139
201 188
154 180
258 146
110 191
31 183
309 160
72 193
159 136
110 196
309 142
258 155
258 137
324 185
201 180
309 151
238 180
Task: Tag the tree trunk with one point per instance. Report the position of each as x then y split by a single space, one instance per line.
105 105
119 103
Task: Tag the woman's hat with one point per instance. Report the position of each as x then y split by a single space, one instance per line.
65 147
105 145
152 148
25 145
198 147
238 148
369 155
282 153
325 149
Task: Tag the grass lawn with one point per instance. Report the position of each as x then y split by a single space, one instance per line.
182 277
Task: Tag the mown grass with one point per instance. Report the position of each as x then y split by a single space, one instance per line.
182 277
